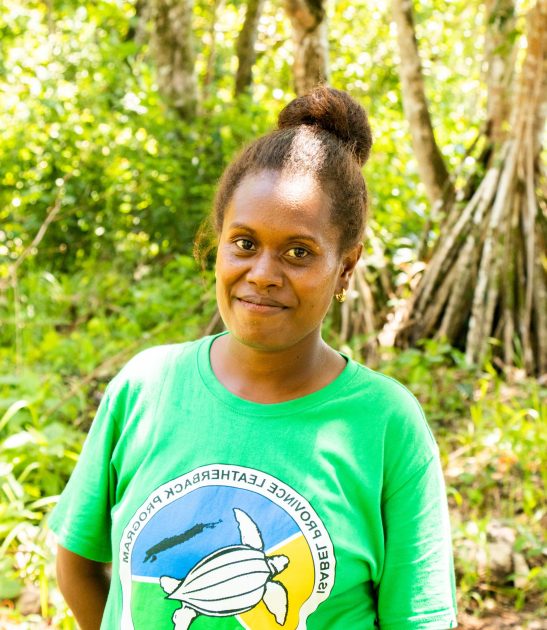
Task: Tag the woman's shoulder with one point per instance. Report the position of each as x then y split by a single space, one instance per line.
150 366
394 405
388 391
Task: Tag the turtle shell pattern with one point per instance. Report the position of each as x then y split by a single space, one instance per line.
228 582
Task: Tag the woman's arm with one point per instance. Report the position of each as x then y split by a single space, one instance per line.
84 584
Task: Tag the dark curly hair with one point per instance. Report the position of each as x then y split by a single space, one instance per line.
325 134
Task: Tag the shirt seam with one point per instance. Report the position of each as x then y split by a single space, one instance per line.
405 389
79 546
416 473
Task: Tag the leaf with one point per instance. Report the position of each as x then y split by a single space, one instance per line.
10 588
12 410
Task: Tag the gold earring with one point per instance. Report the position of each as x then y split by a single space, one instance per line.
341 297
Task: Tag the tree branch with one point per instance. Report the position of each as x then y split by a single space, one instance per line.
431 166
245 46
51 215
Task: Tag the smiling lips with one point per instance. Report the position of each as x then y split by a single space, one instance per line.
260 304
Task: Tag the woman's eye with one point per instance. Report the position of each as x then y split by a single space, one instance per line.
298 252
245 244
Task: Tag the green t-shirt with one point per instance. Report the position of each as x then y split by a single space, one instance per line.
327 512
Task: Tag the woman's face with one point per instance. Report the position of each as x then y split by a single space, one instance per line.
278 262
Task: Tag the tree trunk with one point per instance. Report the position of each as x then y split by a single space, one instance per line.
173 49
138 26
311 50
486 279
500 53
209 77
245 47
360 315
431 166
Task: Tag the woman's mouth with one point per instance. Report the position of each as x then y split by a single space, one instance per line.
259 304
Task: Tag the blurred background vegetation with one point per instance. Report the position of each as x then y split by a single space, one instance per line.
117 118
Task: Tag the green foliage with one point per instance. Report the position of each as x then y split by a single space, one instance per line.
81 329
84 125
438 377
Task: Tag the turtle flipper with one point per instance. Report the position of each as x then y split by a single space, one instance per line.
275 599
278 564
183 617
169 584
250 534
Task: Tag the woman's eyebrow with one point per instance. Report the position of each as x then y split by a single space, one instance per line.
241 226
302 237
291 237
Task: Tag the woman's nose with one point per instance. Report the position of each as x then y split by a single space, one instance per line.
265 271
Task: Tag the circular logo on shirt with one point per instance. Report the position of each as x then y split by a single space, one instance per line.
224 545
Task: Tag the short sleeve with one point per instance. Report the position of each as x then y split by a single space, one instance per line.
417 589
82 519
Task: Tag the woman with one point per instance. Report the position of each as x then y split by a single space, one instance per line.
258 478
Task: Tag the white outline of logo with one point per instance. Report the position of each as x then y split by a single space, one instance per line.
318 539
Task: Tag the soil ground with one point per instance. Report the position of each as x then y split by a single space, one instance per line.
505 620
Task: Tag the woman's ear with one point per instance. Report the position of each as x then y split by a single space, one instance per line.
349 261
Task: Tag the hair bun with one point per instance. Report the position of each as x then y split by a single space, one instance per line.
334 111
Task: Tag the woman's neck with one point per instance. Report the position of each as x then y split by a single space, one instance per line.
274 376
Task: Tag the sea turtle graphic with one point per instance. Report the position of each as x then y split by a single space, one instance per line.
231 580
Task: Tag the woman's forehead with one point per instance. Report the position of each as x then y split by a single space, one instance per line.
281 188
